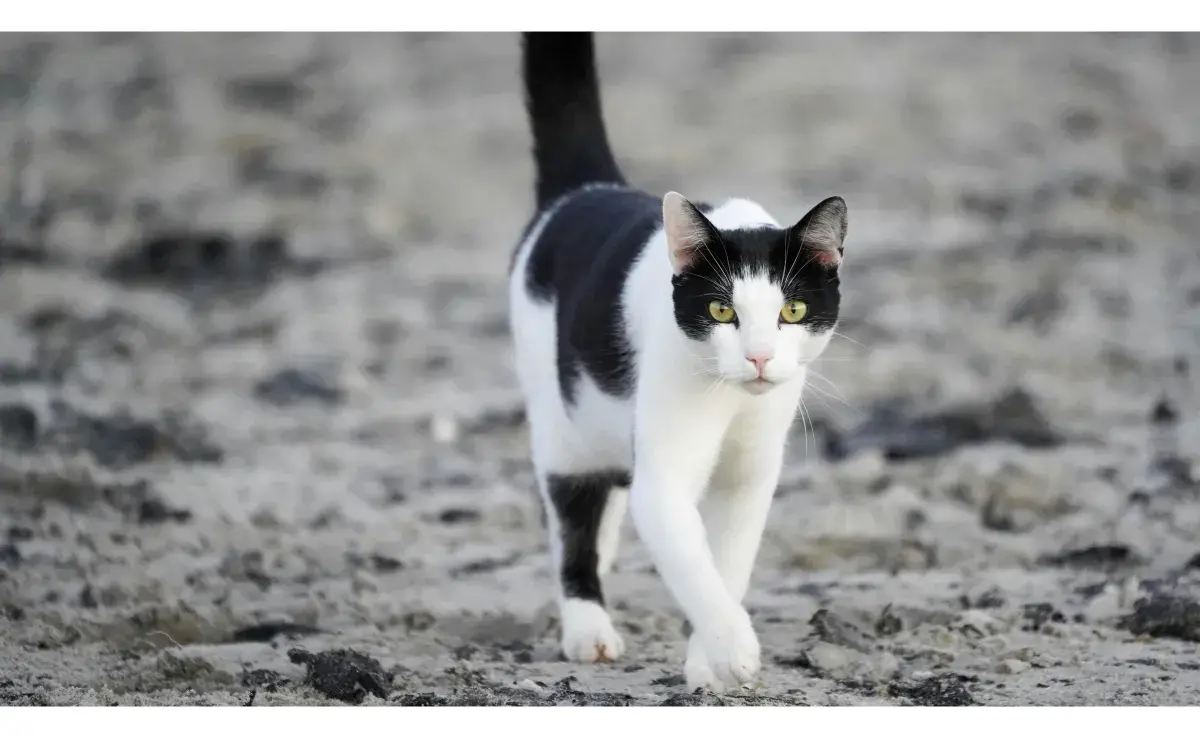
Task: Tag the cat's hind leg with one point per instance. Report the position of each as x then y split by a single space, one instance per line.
582 513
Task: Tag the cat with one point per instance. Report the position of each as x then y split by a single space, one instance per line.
661 348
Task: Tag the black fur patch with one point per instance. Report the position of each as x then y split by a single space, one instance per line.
579 500
581 260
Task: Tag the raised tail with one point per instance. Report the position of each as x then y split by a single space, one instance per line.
562 95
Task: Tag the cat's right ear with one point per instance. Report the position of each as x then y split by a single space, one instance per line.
688 231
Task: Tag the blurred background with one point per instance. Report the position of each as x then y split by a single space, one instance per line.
255 385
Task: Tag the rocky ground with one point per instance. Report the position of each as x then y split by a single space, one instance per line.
256 404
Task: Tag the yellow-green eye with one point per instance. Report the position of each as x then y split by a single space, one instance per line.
794 311
720 312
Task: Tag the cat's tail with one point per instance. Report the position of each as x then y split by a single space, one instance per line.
562 95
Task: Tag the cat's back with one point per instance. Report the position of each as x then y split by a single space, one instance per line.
583 246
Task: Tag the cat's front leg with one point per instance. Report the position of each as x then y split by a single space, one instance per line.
677 446
736 508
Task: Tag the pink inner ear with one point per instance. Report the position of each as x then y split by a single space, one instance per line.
827 258
684 255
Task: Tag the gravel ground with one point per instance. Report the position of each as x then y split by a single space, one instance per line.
260 440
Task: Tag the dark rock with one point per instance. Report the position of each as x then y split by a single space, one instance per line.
455 515
120 441
989 600
1183 176
1039 613
18 427
671 680
343 674
87 598
1105 557
257 166
888 623
941 690
1011 417
385 564
140 503
482 566
13 253
143 91
156 511
1193 563
247 566
1164 412
19 533
1081 123
268 631
10 555
1165 616
992 207
496 420
1040 307
423 699
204 263
292 386
264 679
833 628
278 95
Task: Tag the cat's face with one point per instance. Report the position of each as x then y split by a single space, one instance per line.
758 304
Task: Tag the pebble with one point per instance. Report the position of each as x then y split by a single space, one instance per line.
361 582
1013 666
443 429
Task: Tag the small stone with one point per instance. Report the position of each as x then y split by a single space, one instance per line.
1164 412
443 429
1013 666
977 624
362 581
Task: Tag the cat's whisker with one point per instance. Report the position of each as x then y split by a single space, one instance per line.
848 338
822 392
834 395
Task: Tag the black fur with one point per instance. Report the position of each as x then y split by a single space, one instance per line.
582 257
579 500
570 145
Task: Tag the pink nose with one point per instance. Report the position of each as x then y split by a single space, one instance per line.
759 361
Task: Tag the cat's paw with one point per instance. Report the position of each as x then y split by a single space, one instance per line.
588 635
696 670
726 656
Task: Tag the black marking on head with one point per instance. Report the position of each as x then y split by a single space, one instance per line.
579 502
795 258
580 261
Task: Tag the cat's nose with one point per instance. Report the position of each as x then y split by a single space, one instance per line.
759 361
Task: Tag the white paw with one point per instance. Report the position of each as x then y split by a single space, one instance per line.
724 656
588 635
696 670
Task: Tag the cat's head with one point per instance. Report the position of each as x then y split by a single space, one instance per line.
759 303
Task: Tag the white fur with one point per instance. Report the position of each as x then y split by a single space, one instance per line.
709 444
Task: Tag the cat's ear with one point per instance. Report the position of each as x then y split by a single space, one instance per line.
688 231
822 232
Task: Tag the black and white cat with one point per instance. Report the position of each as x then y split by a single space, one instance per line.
661 348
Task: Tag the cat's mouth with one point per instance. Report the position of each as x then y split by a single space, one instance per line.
758 386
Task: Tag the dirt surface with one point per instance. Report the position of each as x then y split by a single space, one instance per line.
260 441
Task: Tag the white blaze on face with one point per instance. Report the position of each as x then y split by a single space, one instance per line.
757 300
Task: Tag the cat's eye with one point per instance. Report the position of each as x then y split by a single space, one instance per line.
794 311
720 312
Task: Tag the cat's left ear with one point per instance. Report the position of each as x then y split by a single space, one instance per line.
688 231
822 232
